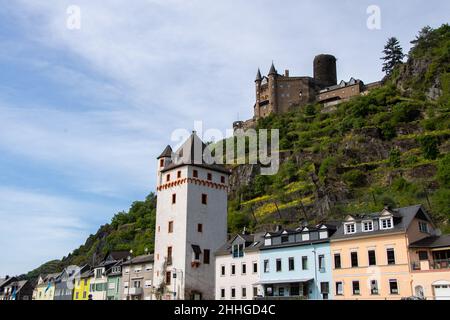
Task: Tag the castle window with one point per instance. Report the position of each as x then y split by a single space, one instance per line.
222 179
209 177
168 177
168 277
170 226
204 198
199 227
195 174
161 163
174 198
179 174
169 256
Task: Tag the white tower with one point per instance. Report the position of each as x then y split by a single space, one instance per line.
191 221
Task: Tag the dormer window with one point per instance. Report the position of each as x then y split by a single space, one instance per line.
350 228
305 236
238 250
386 223
423 227
268 241
367 226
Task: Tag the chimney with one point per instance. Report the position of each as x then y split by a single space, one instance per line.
278 228
286 73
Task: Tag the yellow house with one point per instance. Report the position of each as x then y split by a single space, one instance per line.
370 253
45 288
82 285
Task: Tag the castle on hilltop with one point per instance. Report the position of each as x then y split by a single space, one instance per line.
276 93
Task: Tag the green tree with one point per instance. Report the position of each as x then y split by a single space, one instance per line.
429 146
393 55
394 158
443 172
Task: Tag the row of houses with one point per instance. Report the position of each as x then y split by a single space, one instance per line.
119 276
393 254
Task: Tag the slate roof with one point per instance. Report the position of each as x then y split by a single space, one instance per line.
191 153
432 242
167 153
404 217
250 240
258 75
272 69
145 258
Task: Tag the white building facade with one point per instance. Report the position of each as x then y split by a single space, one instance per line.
191 222
238 268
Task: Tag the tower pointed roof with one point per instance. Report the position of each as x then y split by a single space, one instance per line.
192 152
167 153
272 69
258 75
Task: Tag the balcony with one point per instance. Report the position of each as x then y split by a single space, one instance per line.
133 291
424 265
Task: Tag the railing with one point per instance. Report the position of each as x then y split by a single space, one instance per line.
431 265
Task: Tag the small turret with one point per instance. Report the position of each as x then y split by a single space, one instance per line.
164 159
272 70
258 76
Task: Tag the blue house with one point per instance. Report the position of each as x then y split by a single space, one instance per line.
296 264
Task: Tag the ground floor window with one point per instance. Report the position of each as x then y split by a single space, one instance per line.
325 289
355 285
393 286
222 293
339 288
295 290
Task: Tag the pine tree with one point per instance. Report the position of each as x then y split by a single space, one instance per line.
393 55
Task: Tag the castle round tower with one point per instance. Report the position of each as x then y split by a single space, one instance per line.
325 70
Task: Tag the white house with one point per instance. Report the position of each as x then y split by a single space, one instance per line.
237 268
191 221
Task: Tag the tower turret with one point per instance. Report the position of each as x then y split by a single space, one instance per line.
164 159
325 70
273 88
258 93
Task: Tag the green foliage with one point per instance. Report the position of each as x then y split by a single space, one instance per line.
441 203
354 178
327 166
443 172
394 158
430 147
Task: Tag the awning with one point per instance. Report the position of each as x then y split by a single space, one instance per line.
283 281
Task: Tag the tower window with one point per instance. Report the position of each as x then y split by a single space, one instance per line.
195 174
170 226
199 227
168 177
174 198
169 256
168 277
209 176
206 254
222 179
178 174
204 198
161 163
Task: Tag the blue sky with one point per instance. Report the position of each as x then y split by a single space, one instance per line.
85 112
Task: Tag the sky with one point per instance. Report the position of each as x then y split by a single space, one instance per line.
84 112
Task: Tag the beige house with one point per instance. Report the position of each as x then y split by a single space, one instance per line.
137 278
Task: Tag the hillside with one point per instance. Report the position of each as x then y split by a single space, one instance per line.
388 147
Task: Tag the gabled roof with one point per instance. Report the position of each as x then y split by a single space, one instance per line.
192 152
